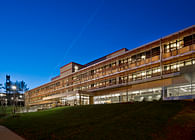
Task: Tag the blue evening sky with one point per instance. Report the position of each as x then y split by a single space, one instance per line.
37 37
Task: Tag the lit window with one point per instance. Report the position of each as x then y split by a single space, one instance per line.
143 73
188 62
181 64
76 68
148 72
178 45
138 74
143 57
173 45
155 70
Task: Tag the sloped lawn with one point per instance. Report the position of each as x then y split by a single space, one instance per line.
145 120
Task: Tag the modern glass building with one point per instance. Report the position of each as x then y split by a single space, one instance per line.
162 69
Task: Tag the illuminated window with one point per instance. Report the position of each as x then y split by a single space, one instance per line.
188 62
143 57
76 68
181 64
154 70
143 73
134 76
173 66
166 48
130 77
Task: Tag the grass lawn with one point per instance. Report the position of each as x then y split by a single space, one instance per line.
5 110
147 120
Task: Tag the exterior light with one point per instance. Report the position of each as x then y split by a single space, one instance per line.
13 87
193 61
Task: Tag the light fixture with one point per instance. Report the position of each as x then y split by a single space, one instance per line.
13 87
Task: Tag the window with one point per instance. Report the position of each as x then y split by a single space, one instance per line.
92 72
134 76
174 66
188 40
166 67
139 75
181 64
172 46
130 77
133 58
148 54
188 62
143 56
148 73
156 51
138 57
129 59
156 70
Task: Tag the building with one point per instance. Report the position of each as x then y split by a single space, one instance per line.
14 93
162 69
7 99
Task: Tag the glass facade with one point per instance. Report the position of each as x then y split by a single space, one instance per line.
181 90
130 96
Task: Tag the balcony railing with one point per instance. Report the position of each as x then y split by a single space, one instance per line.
184 49
179 51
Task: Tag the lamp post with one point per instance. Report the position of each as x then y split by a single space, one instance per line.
14 88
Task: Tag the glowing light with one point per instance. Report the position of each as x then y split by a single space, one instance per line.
193 61
13 87
143 73
143 57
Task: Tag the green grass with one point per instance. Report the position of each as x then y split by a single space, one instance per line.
110 121
4 111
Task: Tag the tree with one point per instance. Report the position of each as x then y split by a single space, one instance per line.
21 86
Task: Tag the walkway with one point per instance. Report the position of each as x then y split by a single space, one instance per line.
6 134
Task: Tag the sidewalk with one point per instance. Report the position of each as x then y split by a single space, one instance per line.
6 134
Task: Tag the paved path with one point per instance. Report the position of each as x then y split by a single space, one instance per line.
6 134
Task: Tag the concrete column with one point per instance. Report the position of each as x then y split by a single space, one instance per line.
91 100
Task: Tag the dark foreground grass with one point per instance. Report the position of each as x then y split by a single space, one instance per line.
4 111
111 121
